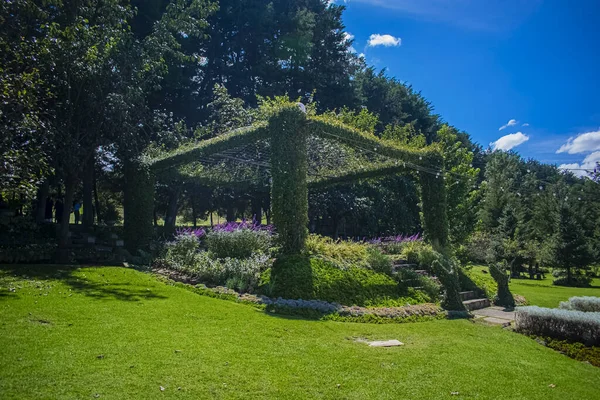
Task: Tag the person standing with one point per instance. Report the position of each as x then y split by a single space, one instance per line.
76 211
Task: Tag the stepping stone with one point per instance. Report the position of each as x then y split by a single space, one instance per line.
386 343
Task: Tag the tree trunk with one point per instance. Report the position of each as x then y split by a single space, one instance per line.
97 200
171 217
194 218
230 214
256 210
88 188
40 210
63 237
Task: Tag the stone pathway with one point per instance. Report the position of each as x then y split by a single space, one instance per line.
495 316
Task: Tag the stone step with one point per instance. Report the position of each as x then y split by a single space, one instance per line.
468 295
476 304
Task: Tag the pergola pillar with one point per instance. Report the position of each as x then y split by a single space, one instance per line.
289 189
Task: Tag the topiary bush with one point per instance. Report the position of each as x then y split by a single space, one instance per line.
503 297
584 303
447 273
304 277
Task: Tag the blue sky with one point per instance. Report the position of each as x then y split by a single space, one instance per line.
483 63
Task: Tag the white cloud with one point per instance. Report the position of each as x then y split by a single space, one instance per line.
511 122
510 141
525 124
348 36
383 40
589 163
583 143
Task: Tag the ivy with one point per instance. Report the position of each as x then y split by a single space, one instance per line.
191 153
287 127
289 190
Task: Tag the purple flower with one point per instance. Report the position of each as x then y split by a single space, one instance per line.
254 225
396 239
198 232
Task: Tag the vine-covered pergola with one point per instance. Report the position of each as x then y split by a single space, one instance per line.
287 132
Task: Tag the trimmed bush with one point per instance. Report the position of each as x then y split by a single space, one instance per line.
576 326
302 277
584 303
238 243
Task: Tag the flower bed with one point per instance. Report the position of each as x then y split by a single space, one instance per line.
313 308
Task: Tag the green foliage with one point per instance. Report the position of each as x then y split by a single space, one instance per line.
343 252
239 243
459 180
362 120
139 206
27 253
503 297
378 261
420 253
302 277
447 272
289 191
191 152
574 350
477 279
405 135
570 249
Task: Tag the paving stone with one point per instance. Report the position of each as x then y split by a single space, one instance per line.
386 343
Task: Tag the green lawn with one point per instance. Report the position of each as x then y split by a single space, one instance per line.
116 333
542 293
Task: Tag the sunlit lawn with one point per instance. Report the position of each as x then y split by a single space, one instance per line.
542 293
116 333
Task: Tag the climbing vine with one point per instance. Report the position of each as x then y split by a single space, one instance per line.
289 190
287 126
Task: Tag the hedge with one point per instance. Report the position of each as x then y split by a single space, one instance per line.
556 323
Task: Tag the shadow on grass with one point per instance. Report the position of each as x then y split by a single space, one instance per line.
79 283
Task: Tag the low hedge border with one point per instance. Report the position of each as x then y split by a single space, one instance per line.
315 309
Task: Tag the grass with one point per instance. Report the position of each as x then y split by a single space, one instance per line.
115 333
542 293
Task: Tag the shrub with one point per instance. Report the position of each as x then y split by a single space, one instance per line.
420 253
584 303
343 252
302 277
574 281
240 274
576 326
181 252
577 351
238 243
379 262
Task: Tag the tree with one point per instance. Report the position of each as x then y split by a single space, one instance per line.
571 253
